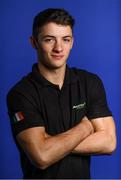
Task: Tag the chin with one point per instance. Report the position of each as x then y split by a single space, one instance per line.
57 66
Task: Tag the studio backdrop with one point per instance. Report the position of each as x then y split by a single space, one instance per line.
97 48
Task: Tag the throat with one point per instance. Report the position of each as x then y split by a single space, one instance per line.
55 76
56 79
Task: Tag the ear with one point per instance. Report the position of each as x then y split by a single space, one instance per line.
33 42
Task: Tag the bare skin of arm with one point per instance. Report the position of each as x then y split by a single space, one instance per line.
44 150
102 141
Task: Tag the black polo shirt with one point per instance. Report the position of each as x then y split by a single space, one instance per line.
34 101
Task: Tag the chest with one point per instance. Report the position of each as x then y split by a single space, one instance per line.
62 109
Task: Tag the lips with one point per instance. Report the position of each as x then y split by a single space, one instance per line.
57 56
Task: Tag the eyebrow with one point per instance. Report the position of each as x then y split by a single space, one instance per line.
49 36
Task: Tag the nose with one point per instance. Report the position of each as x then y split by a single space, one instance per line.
58 46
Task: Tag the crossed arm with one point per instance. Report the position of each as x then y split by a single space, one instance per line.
88 137
102 141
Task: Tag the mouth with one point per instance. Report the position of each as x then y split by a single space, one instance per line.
58 57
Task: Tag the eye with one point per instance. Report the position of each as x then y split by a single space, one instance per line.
67 40
49 40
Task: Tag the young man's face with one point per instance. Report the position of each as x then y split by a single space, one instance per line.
54 45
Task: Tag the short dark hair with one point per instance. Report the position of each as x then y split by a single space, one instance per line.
58 16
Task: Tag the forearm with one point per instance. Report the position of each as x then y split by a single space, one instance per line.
44 150
56 147
97 143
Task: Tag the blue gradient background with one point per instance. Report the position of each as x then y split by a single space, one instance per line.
97 48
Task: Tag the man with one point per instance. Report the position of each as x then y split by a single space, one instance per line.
59 115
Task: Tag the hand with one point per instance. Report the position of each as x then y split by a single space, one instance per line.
87 124
47 135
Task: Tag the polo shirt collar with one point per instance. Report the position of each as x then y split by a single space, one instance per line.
70 76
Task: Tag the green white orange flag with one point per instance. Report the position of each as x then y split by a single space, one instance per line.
18 117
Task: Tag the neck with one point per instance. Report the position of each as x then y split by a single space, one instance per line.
55 76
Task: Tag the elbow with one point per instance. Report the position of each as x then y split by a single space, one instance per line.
42 166
42 162
111 145
112 148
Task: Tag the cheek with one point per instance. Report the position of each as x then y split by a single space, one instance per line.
44 52
45 49
67 50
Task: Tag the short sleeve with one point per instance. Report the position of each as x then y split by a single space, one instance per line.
97 102
22 112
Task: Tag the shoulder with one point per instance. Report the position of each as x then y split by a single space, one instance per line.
26 88
21 86
86 76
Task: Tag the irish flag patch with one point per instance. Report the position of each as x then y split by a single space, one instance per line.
18 117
